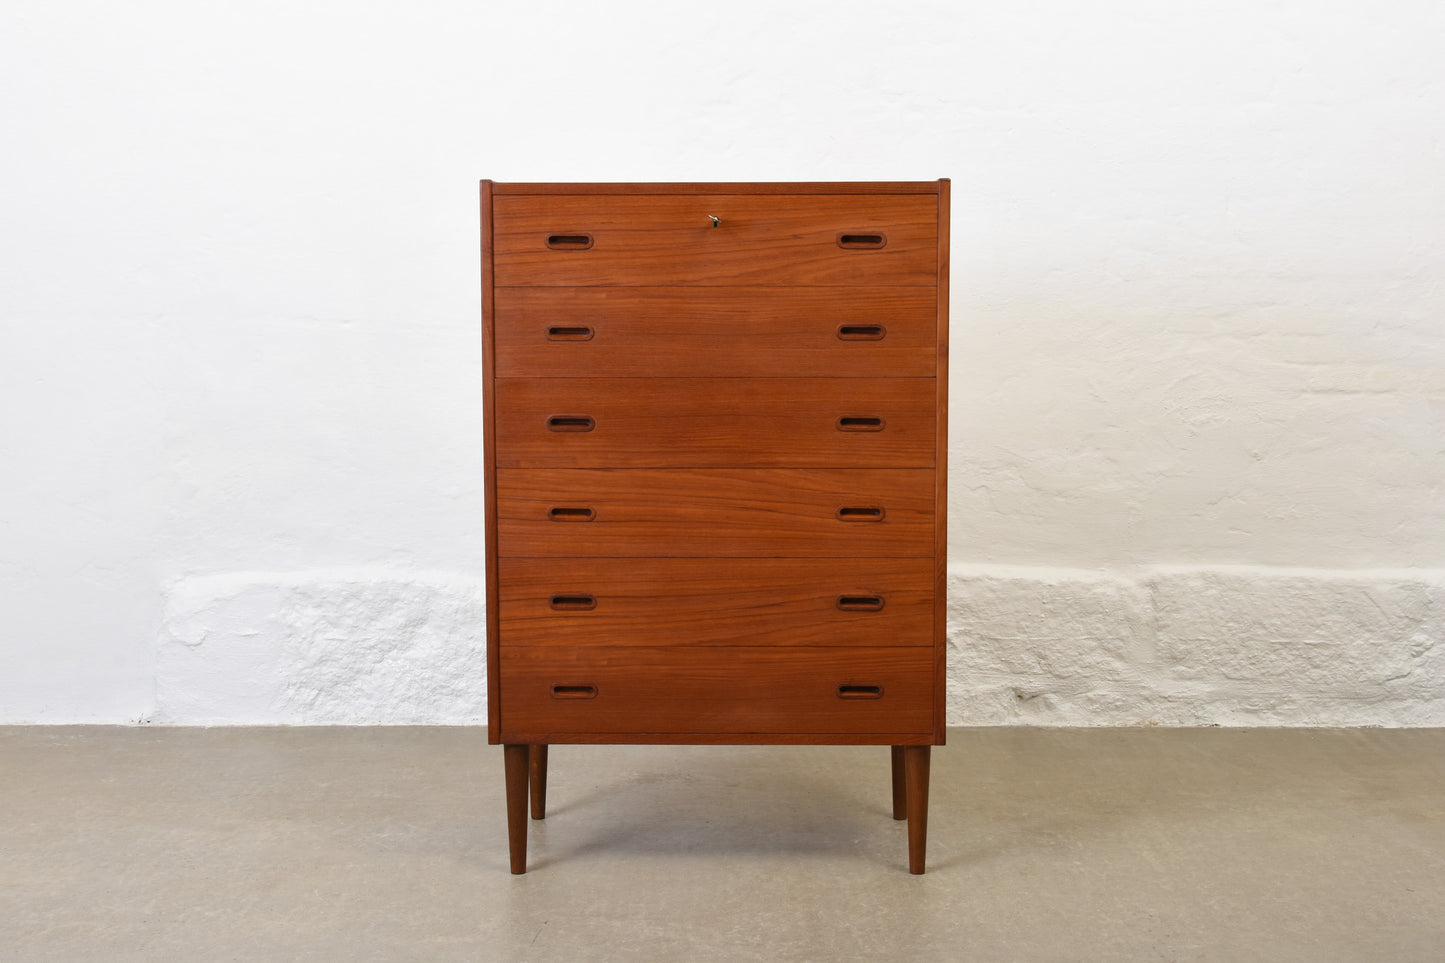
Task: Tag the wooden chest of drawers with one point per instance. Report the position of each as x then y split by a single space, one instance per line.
715 436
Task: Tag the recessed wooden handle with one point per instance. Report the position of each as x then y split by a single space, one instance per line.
861 332
860 513
573 603
573 690
860 423
569 242
862 241
860 692
569 514
860 603
571 423
561 332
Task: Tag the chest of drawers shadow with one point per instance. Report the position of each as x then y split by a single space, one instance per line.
715 480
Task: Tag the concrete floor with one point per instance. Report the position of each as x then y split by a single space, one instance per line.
1045 844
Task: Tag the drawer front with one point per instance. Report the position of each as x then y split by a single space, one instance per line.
631 332
715 422
674 512
878 602
617 689
670 239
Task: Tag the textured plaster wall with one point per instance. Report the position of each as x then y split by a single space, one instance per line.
1198 419
1186 645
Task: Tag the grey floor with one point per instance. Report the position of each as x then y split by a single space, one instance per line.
390 844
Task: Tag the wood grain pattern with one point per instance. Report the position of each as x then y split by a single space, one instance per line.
672 512
515 762
716 422
667 239
737 689
628 188
722 331
489 459
646 738
940 484
689 601
915 774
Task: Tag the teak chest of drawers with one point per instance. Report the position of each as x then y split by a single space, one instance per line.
715 436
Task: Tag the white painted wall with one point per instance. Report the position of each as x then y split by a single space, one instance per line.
1198 363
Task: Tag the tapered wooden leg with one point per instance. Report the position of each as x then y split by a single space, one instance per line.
915 764
900 810
537 776
515 757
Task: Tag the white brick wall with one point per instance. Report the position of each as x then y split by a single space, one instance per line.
1196 646
1154 646
342 647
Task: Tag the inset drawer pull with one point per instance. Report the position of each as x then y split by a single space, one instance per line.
862 242
860 513
574 603
570 423
573 690
860 692
569 242
569 333
860 603
861 332
571 514
859 423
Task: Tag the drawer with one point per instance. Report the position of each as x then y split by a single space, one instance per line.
879 602
715 422
677 512
774 240
645 689
630 332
